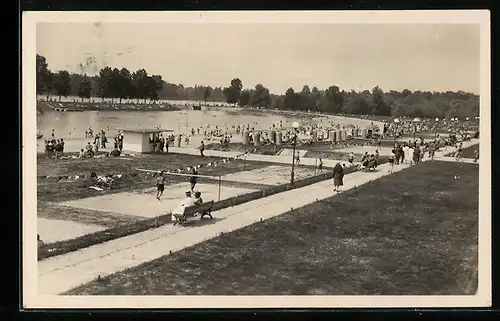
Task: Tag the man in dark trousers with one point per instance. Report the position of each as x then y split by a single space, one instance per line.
202 149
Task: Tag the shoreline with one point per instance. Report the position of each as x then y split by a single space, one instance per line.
42 106
106 106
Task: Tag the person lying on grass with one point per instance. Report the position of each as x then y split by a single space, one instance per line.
115 152
102 181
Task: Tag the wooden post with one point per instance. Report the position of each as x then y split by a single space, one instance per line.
219 187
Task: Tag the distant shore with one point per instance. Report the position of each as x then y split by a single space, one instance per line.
42 106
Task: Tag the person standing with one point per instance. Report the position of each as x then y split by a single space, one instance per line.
422 152
96 147
392 158
397 155
179 138
297 159
39 240
338 177
202 149
416 155
193 179
320 165
351 157
160 185
162 143
458 154
410 155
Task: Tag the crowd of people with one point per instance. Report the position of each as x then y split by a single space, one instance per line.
54 148
99 141
411 126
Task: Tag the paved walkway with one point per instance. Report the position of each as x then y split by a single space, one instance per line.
59 274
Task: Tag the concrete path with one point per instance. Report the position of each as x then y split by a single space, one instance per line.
60 230
60 274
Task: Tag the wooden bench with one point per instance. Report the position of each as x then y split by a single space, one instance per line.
203 208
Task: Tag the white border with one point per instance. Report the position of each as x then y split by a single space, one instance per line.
32 300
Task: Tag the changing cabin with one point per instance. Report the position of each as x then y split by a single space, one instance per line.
141 140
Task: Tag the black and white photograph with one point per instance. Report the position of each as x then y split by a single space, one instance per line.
256 159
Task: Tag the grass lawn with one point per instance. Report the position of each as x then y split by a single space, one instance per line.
50 190
414 232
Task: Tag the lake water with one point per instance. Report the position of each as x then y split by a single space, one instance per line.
72 125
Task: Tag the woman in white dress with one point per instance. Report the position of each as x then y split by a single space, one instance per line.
410 155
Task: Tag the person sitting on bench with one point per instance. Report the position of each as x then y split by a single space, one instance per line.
186 202
198 201
197 198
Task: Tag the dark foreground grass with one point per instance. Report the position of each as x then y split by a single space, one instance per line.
410 233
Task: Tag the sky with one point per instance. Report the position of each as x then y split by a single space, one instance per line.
423 57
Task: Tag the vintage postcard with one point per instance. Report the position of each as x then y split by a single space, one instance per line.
256 159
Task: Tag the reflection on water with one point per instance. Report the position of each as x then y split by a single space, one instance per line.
72 125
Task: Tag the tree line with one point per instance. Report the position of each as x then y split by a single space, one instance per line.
376 102
119 84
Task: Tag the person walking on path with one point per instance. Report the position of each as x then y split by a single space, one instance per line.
160 185
397 153
411 150
297 159
320 165
458 154
338 177
422 152
416 155
392 158
202 149
193 179
406 154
